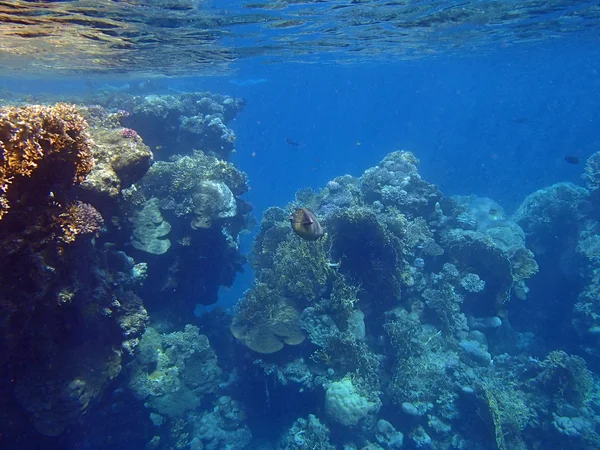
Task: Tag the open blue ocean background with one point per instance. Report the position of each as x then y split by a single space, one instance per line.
497 123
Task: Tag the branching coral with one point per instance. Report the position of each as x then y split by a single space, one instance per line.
78 219
45 143
566 377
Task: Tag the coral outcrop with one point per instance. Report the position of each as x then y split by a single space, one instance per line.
189 212
41 147
70 313
121 159
173 372
403 303
176 124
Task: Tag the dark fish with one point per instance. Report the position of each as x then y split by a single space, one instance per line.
292 142
305 224
572 159
521 120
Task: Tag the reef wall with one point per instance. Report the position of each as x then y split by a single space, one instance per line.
81 196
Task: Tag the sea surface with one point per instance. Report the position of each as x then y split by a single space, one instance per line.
450 150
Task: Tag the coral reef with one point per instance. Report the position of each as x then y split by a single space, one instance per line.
70 312
92 320
150 229
407 303
189 212
591 175
173 372
307 433
41 148
175 124
416 321
345 404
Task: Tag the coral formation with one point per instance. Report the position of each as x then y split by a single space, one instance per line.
120 161
41 147
345 404
409 324
150 229
175 124
405 306
265 323
189 211
173 372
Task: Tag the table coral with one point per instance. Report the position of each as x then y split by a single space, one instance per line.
265 323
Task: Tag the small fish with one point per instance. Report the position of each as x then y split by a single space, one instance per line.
292 142
572 159
305 224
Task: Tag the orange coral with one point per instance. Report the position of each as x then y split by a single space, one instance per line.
34 136
79 218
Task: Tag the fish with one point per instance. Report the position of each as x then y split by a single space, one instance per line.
572 159
292 142
306 225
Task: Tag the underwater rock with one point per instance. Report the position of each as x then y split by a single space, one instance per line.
476 350
388 436
483 323
410 409
223 428
120 161
571 427
553 211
